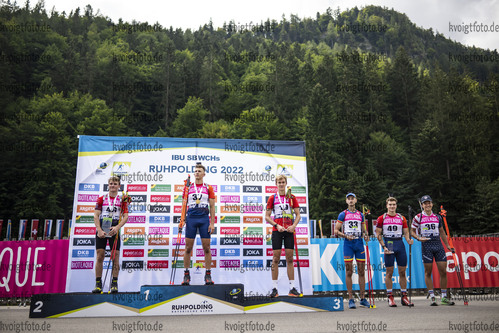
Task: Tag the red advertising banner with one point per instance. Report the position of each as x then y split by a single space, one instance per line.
33 267
479 261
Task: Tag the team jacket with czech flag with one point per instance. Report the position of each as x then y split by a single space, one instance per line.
203 193
110 207
283 215
352 222
392 225
429 227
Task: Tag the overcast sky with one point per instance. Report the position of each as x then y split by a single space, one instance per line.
436 14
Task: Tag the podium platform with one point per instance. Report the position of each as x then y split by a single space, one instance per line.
167 300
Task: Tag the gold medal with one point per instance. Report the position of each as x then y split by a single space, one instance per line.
198 201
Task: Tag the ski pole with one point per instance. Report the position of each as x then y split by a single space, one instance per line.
409 276
125 200
443 213
369 277
298 265
185 195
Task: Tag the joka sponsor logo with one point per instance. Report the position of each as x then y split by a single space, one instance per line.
252 189
160 198
200 252
84 231
161 188
303 210
252 219
132 265
83 241
136 187
230 219
83 253
230 241
230 252
138 198
82 265
159 209
252 252
88 187
282 263
84 219
106 188
133 253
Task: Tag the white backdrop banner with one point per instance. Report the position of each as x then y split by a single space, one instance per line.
242 173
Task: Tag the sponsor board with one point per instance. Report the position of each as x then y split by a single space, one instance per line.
84 219
158 241
88 187
230 188
161 188
136 187
159 219
136 219
230 252
84 241
230 219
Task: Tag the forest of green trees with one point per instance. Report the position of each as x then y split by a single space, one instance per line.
396 109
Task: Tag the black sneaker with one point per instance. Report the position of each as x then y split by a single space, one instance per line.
207 278
98 288
114 287
294 293
187 278
274 293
